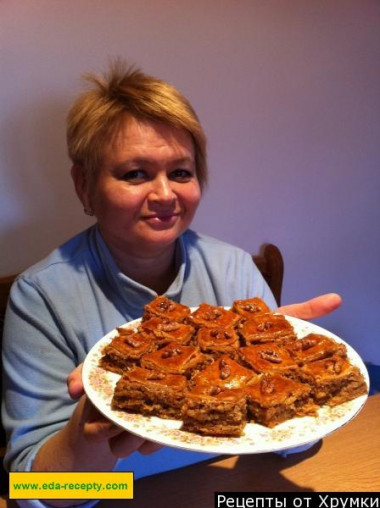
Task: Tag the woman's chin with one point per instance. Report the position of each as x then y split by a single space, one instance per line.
158 240
163 234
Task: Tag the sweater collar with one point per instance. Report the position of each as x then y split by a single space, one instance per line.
131 292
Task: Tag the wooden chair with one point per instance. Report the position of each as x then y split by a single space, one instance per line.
271 265
5 286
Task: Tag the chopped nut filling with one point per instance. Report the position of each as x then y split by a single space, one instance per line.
270 356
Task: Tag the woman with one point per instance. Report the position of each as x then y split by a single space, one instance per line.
139 166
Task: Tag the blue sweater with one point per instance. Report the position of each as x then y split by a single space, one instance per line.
63 305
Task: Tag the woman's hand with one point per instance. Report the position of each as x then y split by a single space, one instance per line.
98 428
314 308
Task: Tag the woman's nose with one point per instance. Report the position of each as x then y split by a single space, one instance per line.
162 190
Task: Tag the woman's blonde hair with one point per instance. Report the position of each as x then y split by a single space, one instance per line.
97 114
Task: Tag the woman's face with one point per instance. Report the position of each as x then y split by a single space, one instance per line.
147 192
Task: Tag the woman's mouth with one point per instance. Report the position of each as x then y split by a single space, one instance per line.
162 220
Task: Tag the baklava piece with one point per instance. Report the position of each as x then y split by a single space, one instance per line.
273 398
266 327
125 350
268 359
163 331
224 373
219 412
334 380
218 341
149 392
212 316
250 307
315 347
175 359
165 308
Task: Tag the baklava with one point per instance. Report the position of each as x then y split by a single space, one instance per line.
334 380
266 327
224 373
268 358
125 350
250 307
212 316
273 399
217 369
218 412
315 347
163 307
218 341
162 331
149 392
175 359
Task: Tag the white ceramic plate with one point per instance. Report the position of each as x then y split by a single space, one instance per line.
99 385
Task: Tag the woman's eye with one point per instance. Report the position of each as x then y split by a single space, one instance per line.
183 175
135 175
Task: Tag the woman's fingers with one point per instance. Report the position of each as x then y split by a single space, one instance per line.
74 383
100 430
314 308
96 428
149 447
124 444
93 425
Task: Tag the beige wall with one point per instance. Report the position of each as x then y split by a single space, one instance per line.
288 92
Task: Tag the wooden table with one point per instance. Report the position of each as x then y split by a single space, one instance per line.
347 460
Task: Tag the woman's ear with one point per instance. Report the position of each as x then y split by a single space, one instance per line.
81 184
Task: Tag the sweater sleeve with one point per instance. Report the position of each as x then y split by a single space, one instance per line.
36 362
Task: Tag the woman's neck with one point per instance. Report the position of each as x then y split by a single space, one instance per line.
155 272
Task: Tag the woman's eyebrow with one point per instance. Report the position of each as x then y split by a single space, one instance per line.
150 160
184 160
132 161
